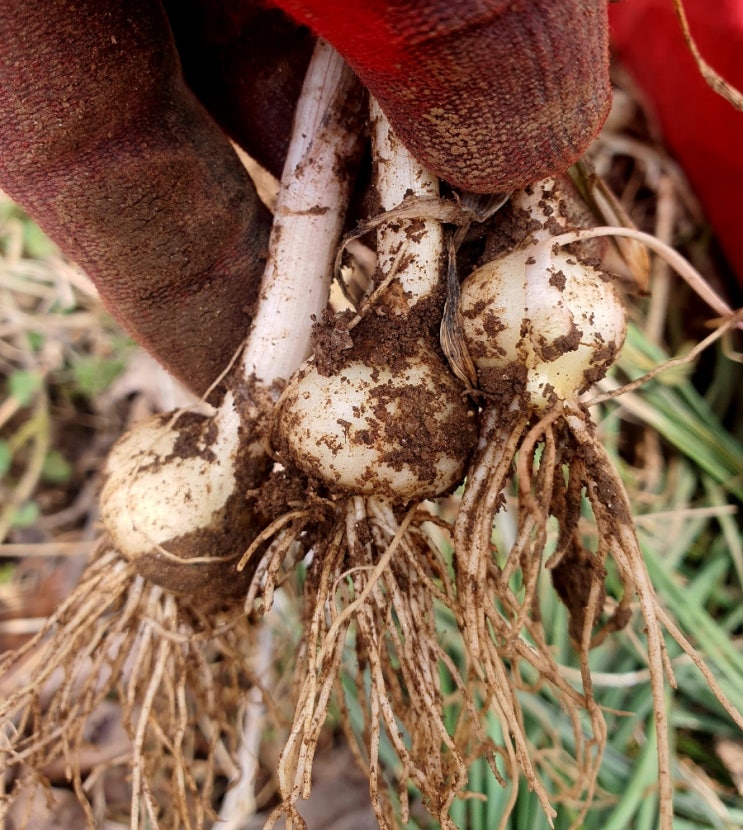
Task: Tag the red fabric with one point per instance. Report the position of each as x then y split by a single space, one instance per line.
340 23
489 94
703 131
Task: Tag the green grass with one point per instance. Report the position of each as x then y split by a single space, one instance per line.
60 353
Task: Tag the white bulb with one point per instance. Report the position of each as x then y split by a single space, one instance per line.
541 319
173 502
158 487
400 435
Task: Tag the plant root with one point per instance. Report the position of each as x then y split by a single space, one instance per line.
558 462
374 591
499 616
177 674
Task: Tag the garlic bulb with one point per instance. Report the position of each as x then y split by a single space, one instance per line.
174 495
400 435
539 317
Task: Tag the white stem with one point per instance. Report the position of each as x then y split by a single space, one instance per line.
308 220
543 301
399 176
307 224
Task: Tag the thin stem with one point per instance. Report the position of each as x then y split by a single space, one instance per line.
315 188
399 177
536 201
714 79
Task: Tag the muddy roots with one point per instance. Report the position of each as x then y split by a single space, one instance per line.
375 590
422 639
177 675
559 466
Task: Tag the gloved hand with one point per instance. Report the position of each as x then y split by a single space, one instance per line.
127 167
